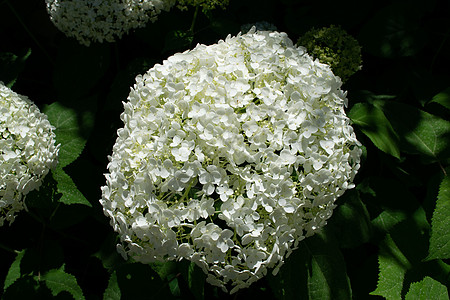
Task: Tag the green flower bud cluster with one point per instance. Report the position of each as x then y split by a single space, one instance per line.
334 47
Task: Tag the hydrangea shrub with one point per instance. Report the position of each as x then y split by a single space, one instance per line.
103 20
27 151
230 155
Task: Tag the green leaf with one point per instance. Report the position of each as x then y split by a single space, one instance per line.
443 98
112 292
196 279
440 224
57 280
291 281
108 254
11 66
14 271
387 219
420 132
166 270
68 189
327 274
373 123
351 221
393 266
67 130
426 289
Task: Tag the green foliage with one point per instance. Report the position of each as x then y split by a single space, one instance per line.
71 140
372 122
443 98
68 132
315 271
440 235
420 132
428 288
57 280
335 47
393 266
14 271
112 292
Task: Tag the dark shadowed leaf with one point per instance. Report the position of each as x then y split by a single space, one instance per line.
350 221
327 274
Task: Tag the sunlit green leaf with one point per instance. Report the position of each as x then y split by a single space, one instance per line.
14 271
419 132
68 132
57 280
68 189
112 292
440 234
426 289
373 123
393 266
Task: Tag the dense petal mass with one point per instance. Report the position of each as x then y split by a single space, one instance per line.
229 156
27 150
103 20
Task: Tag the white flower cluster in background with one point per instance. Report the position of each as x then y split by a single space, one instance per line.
27 151
229 156
103 20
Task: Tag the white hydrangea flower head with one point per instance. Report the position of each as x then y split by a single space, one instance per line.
229 156
103 20
27 151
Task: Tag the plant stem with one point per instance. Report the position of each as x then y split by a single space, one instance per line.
8 249
191 30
